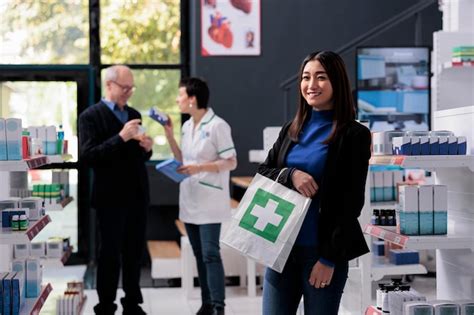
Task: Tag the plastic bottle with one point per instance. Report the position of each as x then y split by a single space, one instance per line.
15 223
23 222
60 141
25 144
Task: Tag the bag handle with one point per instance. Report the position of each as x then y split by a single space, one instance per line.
279 174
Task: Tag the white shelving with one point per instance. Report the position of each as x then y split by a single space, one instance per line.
449 241
7 236
59 206
430 162
381 268
57 262
23 165
33 305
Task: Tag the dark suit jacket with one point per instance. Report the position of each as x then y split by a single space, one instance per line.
342 189
120 175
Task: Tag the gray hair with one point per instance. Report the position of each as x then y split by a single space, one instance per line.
112 72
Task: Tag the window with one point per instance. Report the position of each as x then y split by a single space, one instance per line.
44 32
150 35
156 88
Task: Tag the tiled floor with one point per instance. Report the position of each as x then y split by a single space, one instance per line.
171 301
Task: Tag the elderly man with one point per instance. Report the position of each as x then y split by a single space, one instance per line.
113 144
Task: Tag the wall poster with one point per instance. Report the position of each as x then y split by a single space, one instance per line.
230 27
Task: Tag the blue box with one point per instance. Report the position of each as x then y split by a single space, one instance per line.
443 145
7 292
425 145
378 248
3 141
452 145
404 256
402 146
434 145
462 146
415 146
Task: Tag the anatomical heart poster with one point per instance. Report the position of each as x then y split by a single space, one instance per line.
230 27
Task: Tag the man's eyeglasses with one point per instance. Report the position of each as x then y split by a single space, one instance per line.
125 88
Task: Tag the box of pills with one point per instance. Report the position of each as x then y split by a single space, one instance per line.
440 209
452 145
415 145
402 145
13 132
407 214
33 277
462 146
434 145
443 145
21 251
425 145
3 140
378 186
387 185
425 209
38 249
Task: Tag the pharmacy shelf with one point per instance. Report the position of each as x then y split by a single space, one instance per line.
381 268
33 305
383 204
57 262
7 236
23 165
59 206
59 158
372 310
425 161
458 65
421 242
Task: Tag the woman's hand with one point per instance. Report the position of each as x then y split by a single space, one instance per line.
321 275
190 169
304 183
169 128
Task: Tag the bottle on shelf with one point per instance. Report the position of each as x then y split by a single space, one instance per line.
60 140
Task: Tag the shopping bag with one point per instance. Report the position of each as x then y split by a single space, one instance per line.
267 222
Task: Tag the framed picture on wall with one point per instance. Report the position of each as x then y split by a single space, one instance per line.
230 27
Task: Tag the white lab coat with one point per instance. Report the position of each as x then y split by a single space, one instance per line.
204 197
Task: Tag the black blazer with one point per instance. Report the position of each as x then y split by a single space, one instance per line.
120 175
342 189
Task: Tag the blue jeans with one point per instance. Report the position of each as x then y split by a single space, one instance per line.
204 239
282 292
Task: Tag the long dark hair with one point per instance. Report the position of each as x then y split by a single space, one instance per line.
344 109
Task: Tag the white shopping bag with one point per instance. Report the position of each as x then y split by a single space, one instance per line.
267 222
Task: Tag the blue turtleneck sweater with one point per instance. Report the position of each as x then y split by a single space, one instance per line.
309 155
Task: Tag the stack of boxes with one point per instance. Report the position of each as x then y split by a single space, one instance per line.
423 210
429 143
72 300
10 139
383 184
463 55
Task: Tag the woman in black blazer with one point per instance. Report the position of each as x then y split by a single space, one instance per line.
326 155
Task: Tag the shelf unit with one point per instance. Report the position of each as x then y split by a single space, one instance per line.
430 162
381 267
7 236
33 305
59 206
57 262
450 241
23 165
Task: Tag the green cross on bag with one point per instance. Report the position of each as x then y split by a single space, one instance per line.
266 215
